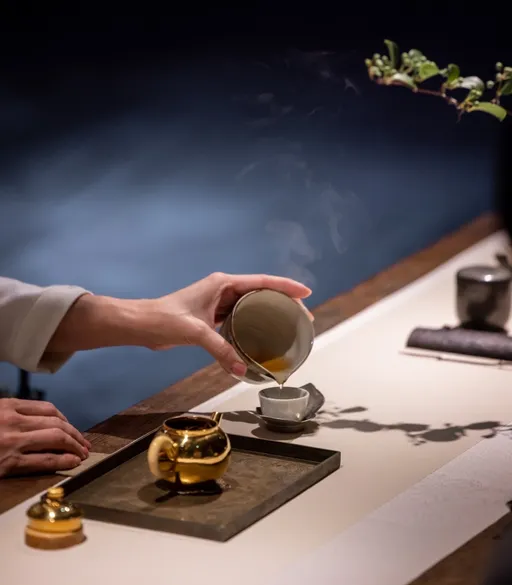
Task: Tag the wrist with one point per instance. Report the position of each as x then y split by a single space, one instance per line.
96 321
124 322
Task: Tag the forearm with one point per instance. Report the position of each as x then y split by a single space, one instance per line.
94 322
29 316
41 328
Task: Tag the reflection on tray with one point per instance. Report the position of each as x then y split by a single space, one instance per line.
208 488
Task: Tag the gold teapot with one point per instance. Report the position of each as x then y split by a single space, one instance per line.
190 449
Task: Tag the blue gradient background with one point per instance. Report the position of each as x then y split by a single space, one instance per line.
141 181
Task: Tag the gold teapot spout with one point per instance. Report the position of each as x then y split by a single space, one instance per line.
217 417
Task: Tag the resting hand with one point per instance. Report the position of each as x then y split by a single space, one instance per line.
35 437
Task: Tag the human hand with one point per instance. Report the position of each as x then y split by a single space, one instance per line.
36 437
190 315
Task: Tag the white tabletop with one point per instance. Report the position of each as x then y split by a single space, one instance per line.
402 500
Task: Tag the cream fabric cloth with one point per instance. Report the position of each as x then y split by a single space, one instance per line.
89 462
29 316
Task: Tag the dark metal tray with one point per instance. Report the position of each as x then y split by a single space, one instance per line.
262 476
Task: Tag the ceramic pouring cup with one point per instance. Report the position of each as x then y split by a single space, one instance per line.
266 325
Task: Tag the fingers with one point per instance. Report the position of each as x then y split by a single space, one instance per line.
37 408
244 283
34 423
222 351
51 440
45 462
308 312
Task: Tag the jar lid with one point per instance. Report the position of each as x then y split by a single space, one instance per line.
52 513
485 273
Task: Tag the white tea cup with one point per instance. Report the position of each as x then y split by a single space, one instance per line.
285 403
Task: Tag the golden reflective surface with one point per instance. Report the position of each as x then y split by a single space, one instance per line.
190 449
54 515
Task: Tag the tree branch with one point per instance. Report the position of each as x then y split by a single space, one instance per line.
411 69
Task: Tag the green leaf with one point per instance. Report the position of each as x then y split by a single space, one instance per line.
507 88
453 74
427 69
490 108
393 52
472 82
403 79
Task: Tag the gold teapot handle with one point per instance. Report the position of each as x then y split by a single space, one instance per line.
162 443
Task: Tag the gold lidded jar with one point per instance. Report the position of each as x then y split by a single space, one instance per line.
53 522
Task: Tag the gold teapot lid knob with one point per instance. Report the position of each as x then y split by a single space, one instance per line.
53 514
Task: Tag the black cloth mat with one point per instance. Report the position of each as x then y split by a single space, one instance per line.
463 341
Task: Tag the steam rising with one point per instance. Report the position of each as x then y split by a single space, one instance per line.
294 251
342 212
347 217
291 167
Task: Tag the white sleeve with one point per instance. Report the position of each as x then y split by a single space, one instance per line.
29 316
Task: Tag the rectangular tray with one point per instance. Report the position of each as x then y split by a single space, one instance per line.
262 476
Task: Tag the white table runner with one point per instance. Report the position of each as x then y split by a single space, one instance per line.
417 479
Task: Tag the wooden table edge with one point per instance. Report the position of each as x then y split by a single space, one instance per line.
461 567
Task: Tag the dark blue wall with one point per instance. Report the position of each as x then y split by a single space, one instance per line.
135 181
